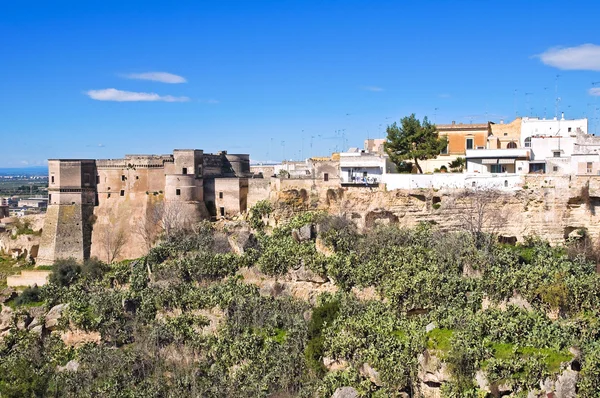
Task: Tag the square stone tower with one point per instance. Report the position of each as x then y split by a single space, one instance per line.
69 218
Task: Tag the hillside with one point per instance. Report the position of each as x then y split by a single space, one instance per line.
312 308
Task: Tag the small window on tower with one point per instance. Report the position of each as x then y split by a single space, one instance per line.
97 179
569 129
325 176
184 170
178 192
220 195
52 179
123 177
122 192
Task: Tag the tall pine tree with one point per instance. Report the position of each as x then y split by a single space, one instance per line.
413 140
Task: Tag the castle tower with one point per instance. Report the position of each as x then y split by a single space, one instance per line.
184 185
69 218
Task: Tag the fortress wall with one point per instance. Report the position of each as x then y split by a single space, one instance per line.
212 165
184 188
239 163
127 216
187 161
258 189
48 238
123 216
284 184
230 195
63 234
266 170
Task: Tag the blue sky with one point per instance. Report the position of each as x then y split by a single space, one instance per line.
99 79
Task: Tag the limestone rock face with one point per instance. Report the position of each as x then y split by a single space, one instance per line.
7 294
322 248
241 241
285 286
345 392
304 274
77 338
6 317
53 316
432 374
303 233
333 365
566 384
550 206
71 366
37 315
370 373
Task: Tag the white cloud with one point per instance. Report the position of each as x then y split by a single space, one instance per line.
594 91
583 57
162 77
444 95
112 94
372 88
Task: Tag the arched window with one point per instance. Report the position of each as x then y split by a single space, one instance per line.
528 142
511 145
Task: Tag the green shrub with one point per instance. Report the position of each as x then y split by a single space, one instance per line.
65 272
29 296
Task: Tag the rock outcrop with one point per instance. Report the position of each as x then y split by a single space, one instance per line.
345 392
53 316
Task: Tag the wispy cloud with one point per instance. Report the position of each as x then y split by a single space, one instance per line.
444 95
112 94
95 145
210 101
374 89
594 91
163 77
583 57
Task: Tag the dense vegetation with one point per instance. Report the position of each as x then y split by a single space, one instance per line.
180 322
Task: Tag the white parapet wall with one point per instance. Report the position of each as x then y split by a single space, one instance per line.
28 278
509 182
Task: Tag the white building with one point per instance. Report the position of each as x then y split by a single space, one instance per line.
496 161
533 126
362 168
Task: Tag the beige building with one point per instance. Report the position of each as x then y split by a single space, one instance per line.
505 136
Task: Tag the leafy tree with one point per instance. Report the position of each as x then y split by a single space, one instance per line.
457 165
413 140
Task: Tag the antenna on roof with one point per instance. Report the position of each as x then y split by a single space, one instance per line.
595 93
527 106
545 102
556 96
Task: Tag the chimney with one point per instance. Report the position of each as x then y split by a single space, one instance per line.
501 121
453 122
563 116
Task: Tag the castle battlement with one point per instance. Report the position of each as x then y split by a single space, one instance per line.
91 200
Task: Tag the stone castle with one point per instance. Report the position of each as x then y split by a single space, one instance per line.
93 204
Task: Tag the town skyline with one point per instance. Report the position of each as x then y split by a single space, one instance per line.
280 80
